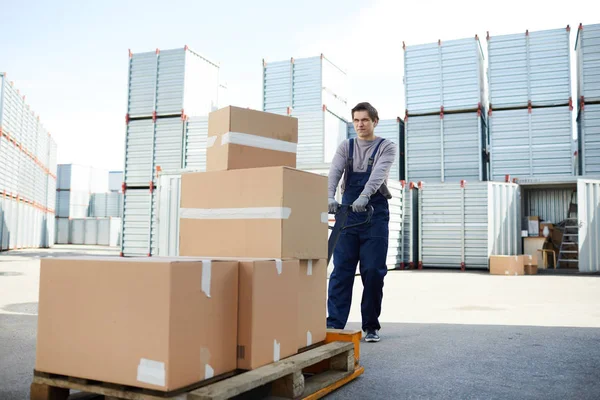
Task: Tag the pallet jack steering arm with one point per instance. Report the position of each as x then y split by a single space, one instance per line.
340 224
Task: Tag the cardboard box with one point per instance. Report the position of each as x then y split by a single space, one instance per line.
531 269
550 228
275 212
268 312
240 138
312 302
533 227
506 265
155 323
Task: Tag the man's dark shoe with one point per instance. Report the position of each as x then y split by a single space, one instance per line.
372 336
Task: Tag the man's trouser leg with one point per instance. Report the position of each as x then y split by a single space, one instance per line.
373 269
345 259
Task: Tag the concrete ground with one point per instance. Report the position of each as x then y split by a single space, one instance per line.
445 334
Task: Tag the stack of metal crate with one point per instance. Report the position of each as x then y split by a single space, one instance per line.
587 47
170 94
446 131
27 174
313 90
530 105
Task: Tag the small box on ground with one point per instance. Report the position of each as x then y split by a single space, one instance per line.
268 312
155 323
240 138
312 302
274 212
506 265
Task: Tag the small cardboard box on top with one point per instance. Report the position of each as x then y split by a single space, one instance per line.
268 312
312 302
508 265
240 138
155 323
272 212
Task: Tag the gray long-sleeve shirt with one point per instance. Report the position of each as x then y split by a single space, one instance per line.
385 157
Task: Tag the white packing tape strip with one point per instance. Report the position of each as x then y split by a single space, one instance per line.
325 218
279 266
276 350
236 213
152 372
206 273
261 142
308 338
309 267
209 372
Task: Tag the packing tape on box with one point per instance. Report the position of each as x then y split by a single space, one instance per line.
209 372
308 338
309 267
152 372
206 272
276 350
261 142
236 213
279 266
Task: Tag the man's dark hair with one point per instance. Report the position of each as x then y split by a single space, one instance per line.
368 108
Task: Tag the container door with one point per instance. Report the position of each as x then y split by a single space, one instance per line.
103 232
588 211
91 231
168 215
77 231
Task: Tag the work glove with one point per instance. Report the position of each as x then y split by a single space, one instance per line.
333 206
360 204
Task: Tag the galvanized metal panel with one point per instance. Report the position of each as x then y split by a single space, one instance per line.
196 134
137 222
409 240
142 84
395 226
447 74
108 231
77 234
113 204
334 88
528 144
529 67
588 208
51 193
277 87
464 225
446 148
168 143
139 149
91 231
307 84
388 129
550 204
115 180
589 136
74 177
310 137
170 82
63 230
50 230
587 47
11 108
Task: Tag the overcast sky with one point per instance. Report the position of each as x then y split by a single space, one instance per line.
70 57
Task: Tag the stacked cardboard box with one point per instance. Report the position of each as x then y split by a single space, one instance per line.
248 289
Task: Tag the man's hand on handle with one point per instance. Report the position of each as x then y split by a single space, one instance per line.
360 204
333 206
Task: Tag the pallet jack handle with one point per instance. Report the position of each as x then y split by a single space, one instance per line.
340 224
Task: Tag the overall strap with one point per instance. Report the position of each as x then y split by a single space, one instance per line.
372 158
350 160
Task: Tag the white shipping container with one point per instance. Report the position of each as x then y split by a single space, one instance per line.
587 47
304 84
530 67
115 181
588 208
446 148
172 82
72 204
531 143
446 74
62 230
461 226
11 108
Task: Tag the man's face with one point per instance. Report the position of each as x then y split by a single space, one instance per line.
363 124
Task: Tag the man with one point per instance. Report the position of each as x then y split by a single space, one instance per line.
365 163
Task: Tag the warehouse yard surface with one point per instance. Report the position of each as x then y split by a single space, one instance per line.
445 334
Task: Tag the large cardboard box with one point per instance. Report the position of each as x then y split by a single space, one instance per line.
312 302
240 138
155 323
268 312
507 265
274 212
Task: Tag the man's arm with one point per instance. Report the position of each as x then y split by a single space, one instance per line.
381 168
337 168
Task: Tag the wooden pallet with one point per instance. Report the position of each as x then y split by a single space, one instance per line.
308 375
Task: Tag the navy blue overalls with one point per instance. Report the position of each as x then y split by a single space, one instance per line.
367 244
